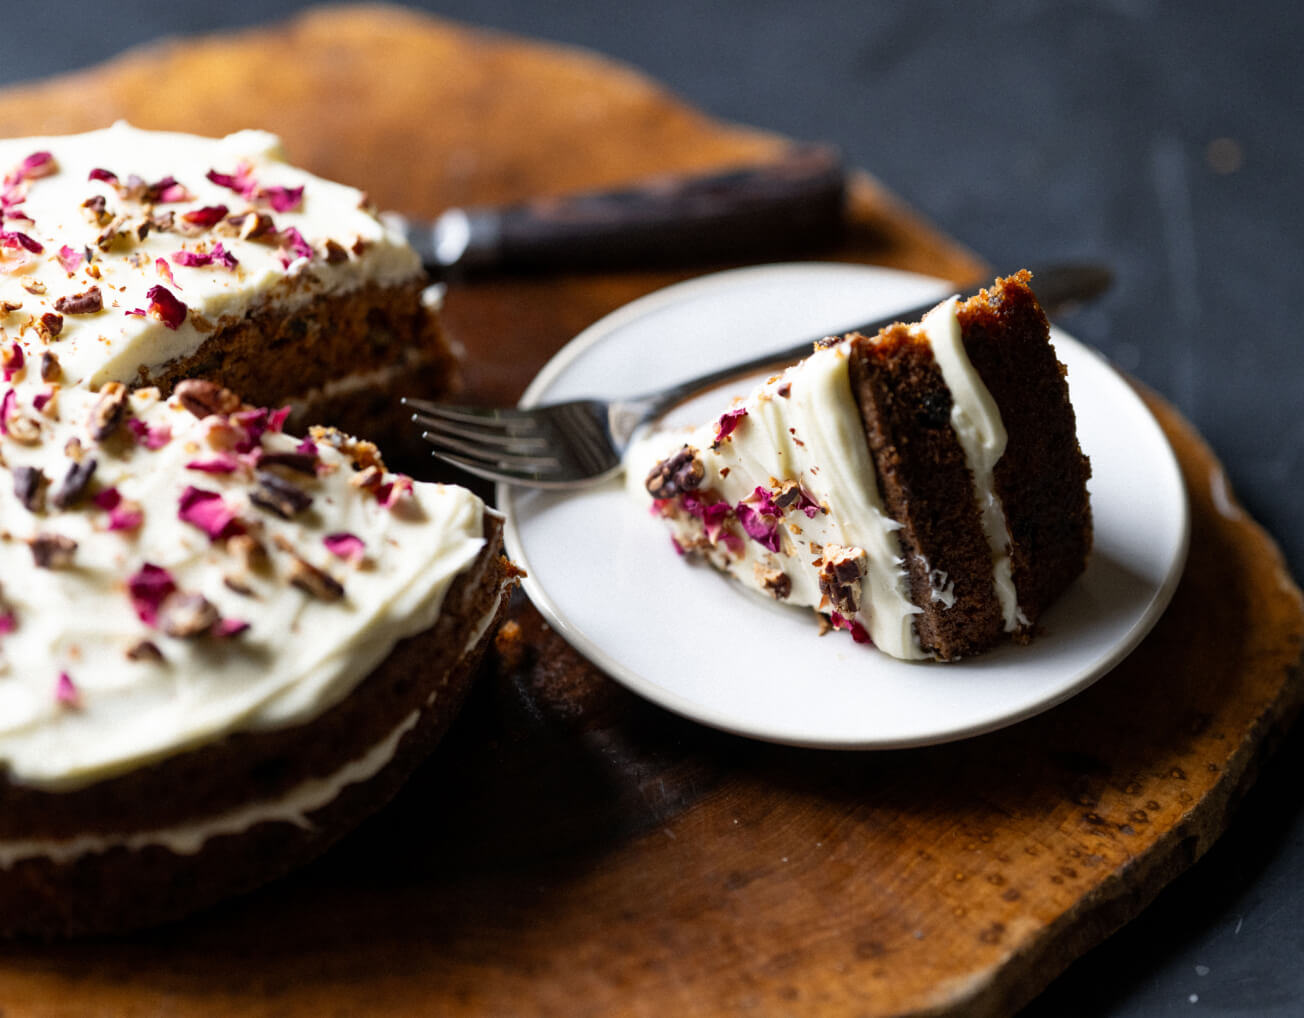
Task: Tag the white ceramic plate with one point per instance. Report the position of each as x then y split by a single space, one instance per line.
602 570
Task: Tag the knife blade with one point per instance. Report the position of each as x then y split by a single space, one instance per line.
793 204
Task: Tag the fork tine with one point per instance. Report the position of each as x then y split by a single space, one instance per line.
486 417
501 439
501 459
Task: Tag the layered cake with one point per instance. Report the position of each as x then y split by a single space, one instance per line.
145 257
923 489
220 646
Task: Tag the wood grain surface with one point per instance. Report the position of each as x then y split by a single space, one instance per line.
572 850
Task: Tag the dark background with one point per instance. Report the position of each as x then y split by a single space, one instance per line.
1165 138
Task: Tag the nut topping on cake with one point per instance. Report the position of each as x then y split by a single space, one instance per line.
840 576
681 472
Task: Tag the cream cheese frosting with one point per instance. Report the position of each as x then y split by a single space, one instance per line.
788 502
170 574
122 248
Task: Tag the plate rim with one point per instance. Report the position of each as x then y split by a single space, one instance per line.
602 328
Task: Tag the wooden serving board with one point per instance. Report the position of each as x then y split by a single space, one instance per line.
572 850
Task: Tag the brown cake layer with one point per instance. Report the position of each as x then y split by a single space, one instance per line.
926 484
384 337
120 888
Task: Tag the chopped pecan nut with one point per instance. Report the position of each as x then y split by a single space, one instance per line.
203 398
29 487
774 581
681 472
275 494
335 253
97 210
299 462
248 550
49 326
187 615
108 411
144 650
50 367
316 582
23 429
52 551
840 575
85 303
74 483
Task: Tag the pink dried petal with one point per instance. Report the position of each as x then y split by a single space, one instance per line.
224 629
223 257
195 259
760 528
165 270
276 420
219 463
164 306
345 546
38 164
679 548
207 215
148 587
241 182
252 424
123 515
66 692
149 437
763 501
282 199
713 516
306 447
392 492
13 360
135 312
7 403
299 248
207 511
853 626
166 192
70 259
15 238
105 175
8 622
724 427
807 504
42 399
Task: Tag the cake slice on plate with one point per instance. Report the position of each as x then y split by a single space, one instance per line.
923 488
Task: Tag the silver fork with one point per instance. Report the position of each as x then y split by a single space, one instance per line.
581 442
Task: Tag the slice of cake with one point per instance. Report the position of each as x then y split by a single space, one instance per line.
220 646
145 257
923 488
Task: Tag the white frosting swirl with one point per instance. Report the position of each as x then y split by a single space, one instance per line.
300 654
45 205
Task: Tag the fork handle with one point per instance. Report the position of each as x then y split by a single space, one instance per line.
787 206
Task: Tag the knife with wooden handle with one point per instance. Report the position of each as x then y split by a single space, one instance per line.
792 205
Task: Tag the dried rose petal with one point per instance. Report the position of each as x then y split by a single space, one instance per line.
38 164
42 399
220 463
282 199
306 447
15 238
853 626
123 515
392 492
105 175
149 437
207 511
8 622
298 247
70 259
724 427
276 420
13 360
224 629
7 403
207 215
164 306
148 587
346 546
165 270
66 692
762 529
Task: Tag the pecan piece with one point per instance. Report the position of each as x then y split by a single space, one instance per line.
74 483
681 472
85 303
299 462
144 650
108 411
49 326
275 494
50 367
840 576
203 398
29 487
187 615
775 582
313 581
52 551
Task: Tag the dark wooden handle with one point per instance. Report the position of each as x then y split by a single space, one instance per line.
782 208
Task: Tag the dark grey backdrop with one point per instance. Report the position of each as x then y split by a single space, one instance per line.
1164 137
